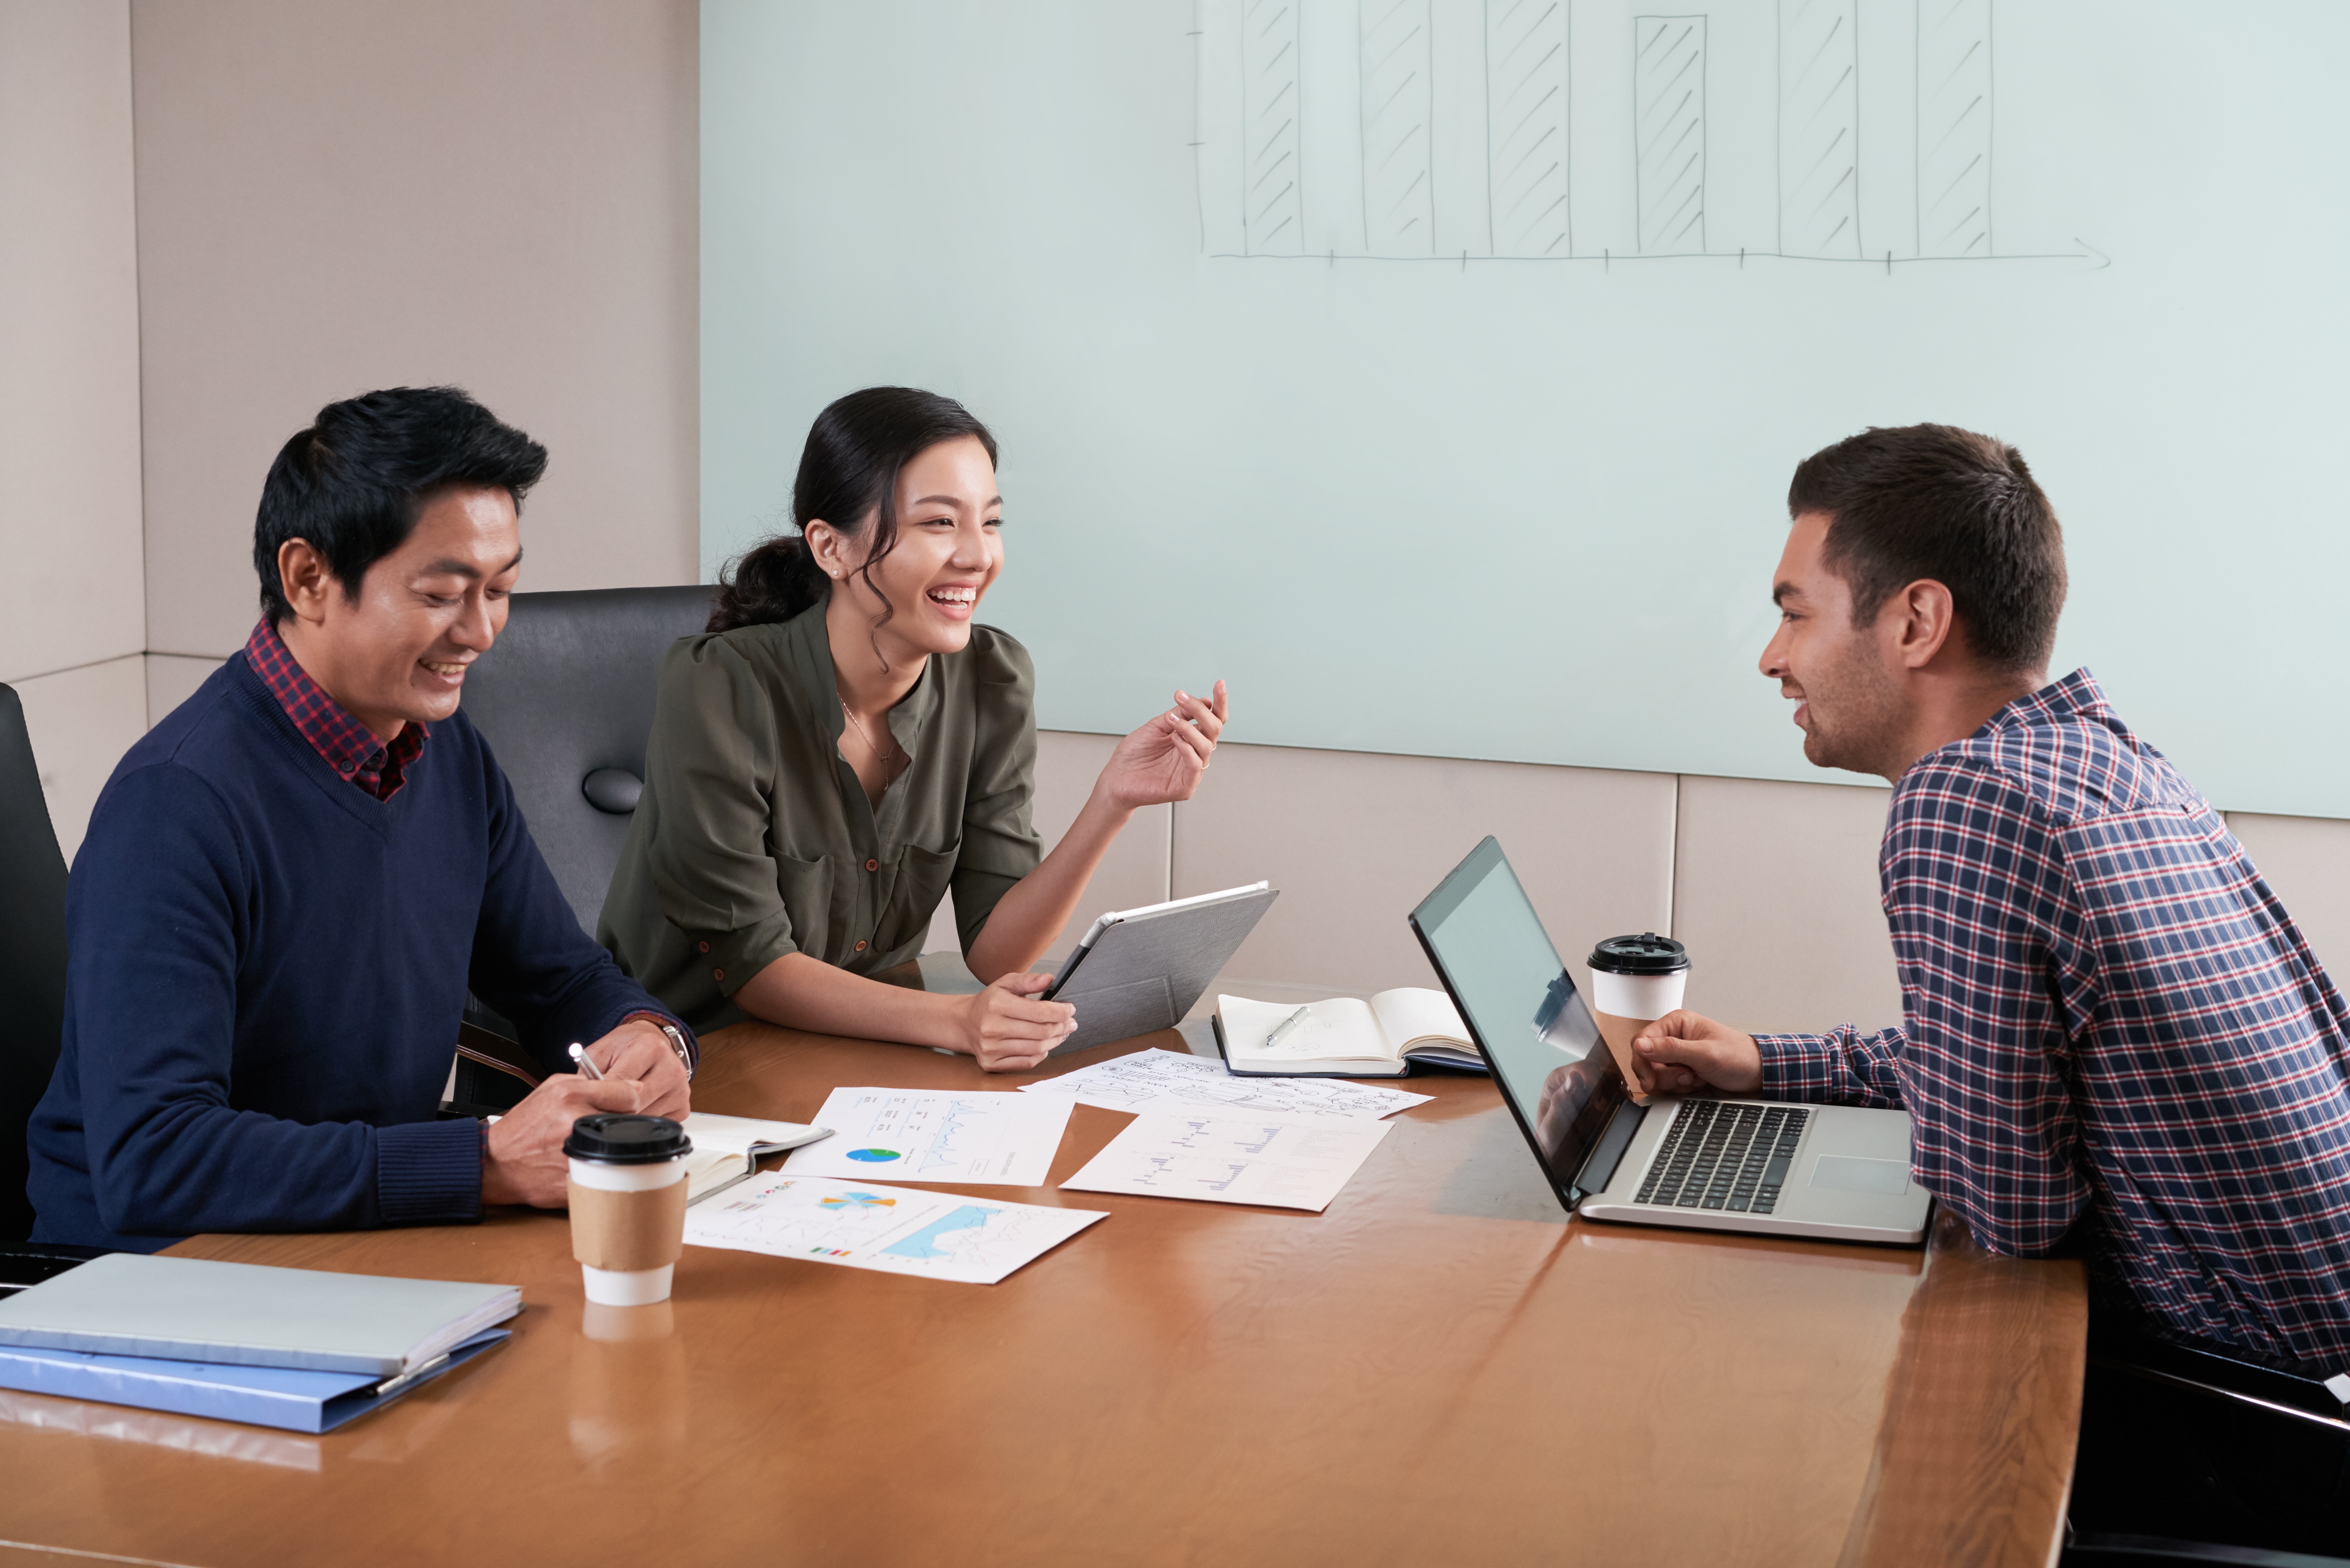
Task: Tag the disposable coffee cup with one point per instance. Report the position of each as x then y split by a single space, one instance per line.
1634 981
628 1205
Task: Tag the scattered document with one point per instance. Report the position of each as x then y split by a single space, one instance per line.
1219 1156
1165 1081
894 1230
991 1138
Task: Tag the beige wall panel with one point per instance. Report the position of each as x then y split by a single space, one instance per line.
1133 873
1354 840
335 196
2306 859
81 722
70 584
172 681
1775 891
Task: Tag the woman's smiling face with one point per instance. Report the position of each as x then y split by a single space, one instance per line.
949 551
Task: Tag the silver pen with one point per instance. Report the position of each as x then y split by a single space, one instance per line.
585 1063
1285 1027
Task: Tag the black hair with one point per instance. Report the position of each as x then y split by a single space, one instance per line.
1940 503
848 472
354 483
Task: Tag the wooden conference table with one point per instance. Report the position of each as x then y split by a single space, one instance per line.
1440 1368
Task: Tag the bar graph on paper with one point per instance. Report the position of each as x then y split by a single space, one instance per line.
1602 130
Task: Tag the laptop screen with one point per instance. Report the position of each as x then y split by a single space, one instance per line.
1482 934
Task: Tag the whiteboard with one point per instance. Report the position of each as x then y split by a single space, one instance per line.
1434 369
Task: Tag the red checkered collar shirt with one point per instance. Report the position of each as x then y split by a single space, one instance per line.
349 747
2113 1036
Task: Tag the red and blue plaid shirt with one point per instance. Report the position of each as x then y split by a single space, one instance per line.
2113 1032
348 746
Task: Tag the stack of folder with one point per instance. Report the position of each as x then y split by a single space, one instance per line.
293 1348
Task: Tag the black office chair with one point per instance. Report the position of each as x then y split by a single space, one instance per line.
32 990
32 956
566 700
2185 1454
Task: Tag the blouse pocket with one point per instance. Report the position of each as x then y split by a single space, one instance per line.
806 887
922 879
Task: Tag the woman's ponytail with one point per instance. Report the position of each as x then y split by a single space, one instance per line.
773 583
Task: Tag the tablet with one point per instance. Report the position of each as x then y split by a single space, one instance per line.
1140 970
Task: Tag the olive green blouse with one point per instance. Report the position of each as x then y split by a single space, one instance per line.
753 838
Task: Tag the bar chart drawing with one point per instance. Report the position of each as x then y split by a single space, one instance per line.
1397 77
1601 132
1528 187
1271 120
1954 128
1819 127
1669 130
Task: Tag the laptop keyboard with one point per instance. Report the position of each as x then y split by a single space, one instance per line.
1726 1155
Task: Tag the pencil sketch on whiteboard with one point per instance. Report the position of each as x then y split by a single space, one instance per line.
1599 131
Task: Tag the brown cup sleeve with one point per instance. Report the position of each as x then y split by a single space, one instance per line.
628 1231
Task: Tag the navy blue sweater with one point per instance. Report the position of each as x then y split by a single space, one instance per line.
267 970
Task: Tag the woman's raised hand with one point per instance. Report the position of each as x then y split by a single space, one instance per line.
1163 760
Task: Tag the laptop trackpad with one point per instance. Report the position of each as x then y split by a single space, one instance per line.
1846 1173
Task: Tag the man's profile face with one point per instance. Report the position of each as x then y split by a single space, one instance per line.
1848 704
400 648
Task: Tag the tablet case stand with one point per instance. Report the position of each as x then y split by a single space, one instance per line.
1144 972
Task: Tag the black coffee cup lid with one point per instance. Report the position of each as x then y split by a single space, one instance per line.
1647 953
618 1137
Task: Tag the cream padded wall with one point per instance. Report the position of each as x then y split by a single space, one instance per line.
81 722
1775 891
1354 840
2306 859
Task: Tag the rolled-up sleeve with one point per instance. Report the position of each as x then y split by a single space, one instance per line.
1000 845
711 764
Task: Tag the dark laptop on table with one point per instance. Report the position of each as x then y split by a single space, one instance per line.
1833 1171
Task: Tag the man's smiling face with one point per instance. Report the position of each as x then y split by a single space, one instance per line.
1847 704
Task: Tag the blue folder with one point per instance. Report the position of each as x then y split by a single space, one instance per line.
282 1397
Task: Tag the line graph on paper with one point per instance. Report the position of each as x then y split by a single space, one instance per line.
1214 1158
1605 131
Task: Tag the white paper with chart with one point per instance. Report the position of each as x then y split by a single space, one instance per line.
893 1230
1232 1157
1165 1081
993 1138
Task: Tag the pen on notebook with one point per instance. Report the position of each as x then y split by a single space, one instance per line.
587 1067
1285 1025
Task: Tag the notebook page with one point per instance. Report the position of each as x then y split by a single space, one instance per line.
1414 1014
1342 1029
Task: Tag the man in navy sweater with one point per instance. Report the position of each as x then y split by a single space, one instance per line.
289 883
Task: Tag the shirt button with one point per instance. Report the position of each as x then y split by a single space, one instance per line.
873 866
860 947
703 946
718 974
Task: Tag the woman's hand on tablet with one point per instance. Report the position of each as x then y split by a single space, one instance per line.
1008 1029
1163 760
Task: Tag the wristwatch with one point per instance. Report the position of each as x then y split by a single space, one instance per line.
676 1039
677 1044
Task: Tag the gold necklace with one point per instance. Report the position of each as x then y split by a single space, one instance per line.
890 759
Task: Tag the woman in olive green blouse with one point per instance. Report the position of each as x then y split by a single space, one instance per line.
843 746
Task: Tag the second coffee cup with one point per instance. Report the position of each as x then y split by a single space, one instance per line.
628 1205
1634 981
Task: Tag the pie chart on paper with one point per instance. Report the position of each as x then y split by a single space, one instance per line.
875 1156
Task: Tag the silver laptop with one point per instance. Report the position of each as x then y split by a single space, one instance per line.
1716 1164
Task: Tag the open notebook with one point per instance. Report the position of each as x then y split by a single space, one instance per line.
727 1149
1345 1037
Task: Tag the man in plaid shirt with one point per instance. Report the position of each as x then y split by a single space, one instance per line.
2114 1039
